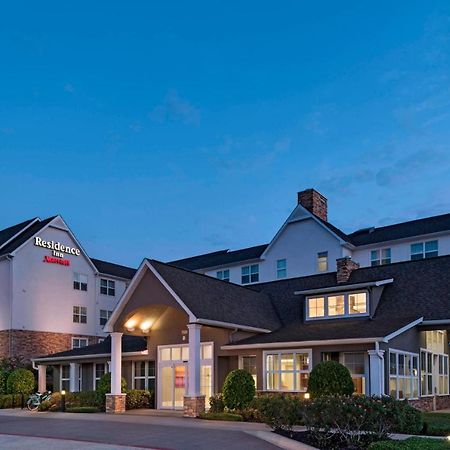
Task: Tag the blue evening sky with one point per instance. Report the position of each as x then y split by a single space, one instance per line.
171 128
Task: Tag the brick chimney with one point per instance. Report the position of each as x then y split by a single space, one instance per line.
314 202
345 266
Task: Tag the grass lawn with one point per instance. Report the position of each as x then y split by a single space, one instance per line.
412 444
437 424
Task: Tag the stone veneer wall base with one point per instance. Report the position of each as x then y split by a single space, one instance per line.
115 403
194 406
426 404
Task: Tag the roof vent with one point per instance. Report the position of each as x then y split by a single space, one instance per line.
366 230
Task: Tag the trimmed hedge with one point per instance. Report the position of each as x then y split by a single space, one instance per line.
330 378
411 444
230 417
83 409
216 404
3 377
73 400
104 384
11 401
137 399
238 389
20 381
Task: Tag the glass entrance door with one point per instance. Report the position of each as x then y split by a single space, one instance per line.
174 384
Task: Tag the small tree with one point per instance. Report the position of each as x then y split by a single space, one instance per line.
238 390
20 381
330 378
104 384
3 377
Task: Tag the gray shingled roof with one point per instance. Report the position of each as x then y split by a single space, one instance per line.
117 270
7 233
213 299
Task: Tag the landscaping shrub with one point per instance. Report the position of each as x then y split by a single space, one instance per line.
20 381
137 399
436 424
216 404
104 384
83 409
330 378
3 377
89 399
411 444
279 411
10 401
238 389
231 417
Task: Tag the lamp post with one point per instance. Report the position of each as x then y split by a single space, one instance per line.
63 401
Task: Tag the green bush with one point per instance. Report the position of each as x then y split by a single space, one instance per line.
104 384
231 417
10 401
137 399
216 404
281 412
20 381
238 390
436 424
330 378
83 409
411 444
73 400
3 377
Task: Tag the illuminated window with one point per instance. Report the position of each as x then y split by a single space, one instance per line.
380 257
250 274
316 307
248 363
336 305
223 275
79 314
355 363
80 282
333 306
287 370
281 268
144 375
403 375
107 287
79 342
423 250
104 316
357 303
322 261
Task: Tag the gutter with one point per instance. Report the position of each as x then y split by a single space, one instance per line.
233 326
436 322
95 356
345 287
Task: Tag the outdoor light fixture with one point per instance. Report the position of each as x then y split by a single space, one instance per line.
145 326
307 396
130 325
63 400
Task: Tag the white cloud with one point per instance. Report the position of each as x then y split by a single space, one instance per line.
177 109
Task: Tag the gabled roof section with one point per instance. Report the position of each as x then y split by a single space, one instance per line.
116 270
8 234
402 230
220 258
301 213
22 237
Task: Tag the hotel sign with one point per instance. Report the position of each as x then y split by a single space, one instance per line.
58 251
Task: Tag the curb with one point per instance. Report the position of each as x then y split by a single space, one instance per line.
280 441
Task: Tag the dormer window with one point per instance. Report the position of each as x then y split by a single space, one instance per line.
336 305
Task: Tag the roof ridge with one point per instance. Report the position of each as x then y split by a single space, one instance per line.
109 262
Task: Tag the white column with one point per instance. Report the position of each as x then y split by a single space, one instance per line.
74 377
194 360
42 378
376 372
116 363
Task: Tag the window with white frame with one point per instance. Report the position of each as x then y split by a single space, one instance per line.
322 261
223 275
355 363
435 341
281 268
403 374
79 314
287 370
336 305
250 274
104 316
65 377
99 370
380 257
248 363
107 287
423 250
79 342
144 375
434 373
80 282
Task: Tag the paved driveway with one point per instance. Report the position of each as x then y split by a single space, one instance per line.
127 430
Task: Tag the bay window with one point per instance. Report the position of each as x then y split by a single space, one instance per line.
287 370
334 305
403 374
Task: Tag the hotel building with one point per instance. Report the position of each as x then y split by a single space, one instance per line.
377 300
